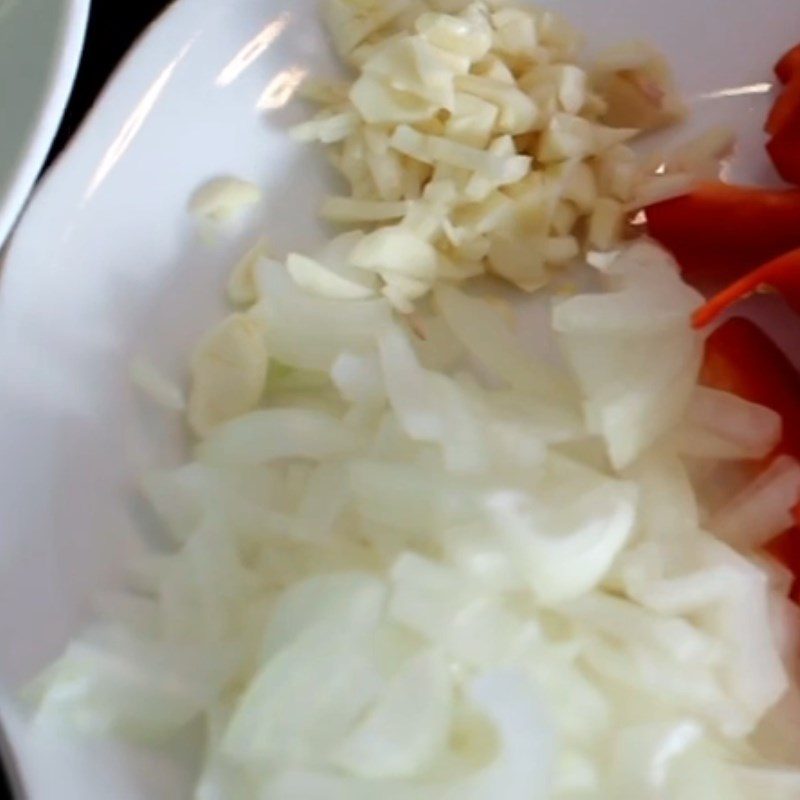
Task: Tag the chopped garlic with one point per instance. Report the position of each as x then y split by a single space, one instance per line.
566 83
567 136
606 224
561 249
638 88
380 103
222 199
578 184
326 128
350 25
433 149
516 37
520 260
229 371
473 120
396 251
565 217
517 111
414 66
473 134
349 210
242 285
617 170
464 36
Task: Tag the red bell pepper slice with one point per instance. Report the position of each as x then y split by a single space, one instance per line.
789 65
781 274
784 150
783 122
724 230
740 358
784 118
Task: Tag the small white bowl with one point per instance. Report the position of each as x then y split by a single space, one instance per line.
40 46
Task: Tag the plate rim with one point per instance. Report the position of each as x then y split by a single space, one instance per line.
61 78
38 198
63 69
131 72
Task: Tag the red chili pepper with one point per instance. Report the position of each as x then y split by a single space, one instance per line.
740 358
781 274
724 230
789 65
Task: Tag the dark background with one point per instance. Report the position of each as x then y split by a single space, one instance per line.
113 27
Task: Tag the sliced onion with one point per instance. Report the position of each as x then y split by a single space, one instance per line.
763 510
274 434
407 728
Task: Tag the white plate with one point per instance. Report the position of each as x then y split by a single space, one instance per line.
107 264
40 45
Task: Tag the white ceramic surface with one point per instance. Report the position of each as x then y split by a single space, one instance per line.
107 264
40 45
